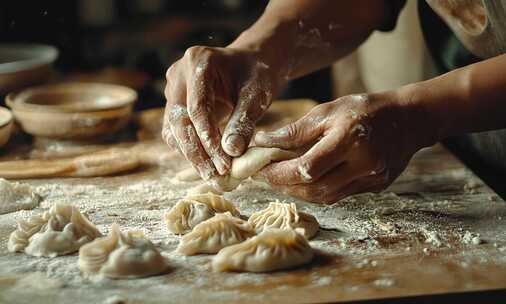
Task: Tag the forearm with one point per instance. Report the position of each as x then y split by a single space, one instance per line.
469 99
298 37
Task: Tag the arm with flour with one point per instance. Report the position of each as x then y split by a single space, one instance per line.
235 85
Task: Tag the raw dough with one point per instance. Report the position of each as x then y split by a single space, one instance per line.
216 202
194 209
187 175
218 232
244 166
121 256
273 249
282 215
203 189
16 196
59 231
254 159
185 215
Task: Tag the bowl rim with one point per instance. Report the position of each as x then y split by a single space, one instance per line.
14 102
7 114
42 55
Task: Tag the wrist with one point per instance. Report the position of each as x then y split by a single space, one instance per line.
271 43
417 117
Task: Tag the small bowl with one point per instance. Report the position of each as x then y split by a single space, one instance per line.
5 125
22 65
72 111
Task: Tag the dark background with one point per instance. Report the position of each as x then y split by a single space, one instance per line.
146 36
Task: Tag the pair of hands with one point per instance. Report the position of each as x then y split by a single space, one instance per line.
357 143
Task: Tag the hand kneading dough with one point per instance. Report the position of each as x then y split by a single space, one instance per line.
282 215
59 231
194 209
218 232
273 249
121 256
16 196
244 166
252 161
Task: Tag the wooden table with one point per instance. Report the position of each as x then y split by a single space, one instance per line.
438 229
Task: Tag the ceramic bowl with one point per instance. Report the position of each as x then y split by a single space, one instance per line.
5 125
72 111
22 65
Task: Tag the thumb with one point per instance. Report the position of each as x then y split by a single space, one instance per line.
291 136
251 105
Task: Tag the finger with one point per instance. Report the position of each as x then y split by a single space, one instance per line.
169 138
189 144
201 103
252 104
324 188
291 136
178 124
323 157
330 187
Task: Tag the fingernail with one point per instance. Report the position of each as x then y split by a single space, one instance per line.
234 145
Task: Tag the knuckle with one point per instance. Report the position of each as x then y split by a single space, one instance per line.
192 51
171 71
198 53
292 131
196 110
304 171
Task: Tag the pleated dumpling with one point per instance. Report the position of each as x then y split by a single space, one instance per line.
59 231
216 202
194 209
273 249
186 214
282 215
121 256
212 235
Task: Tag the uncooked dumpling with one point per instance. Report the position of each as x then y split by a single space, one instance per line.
16 196
246 165
194 209
216 202
282 215
59 231
273 249
186 214
216 233
121 256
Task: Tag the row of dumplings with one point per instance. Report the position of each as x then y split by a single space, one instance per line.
64 230
272 239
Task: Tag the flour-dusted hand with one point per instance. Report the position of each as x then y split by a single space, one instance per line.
358 143
207 87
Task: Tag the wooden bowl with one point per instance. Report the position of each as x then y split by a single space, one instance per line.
22 65
5 125
72 111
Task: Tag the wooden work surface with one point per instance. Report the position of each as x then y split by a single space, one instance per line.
437 229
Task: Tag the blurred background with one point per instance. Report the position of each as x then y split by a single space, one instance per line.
134 42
